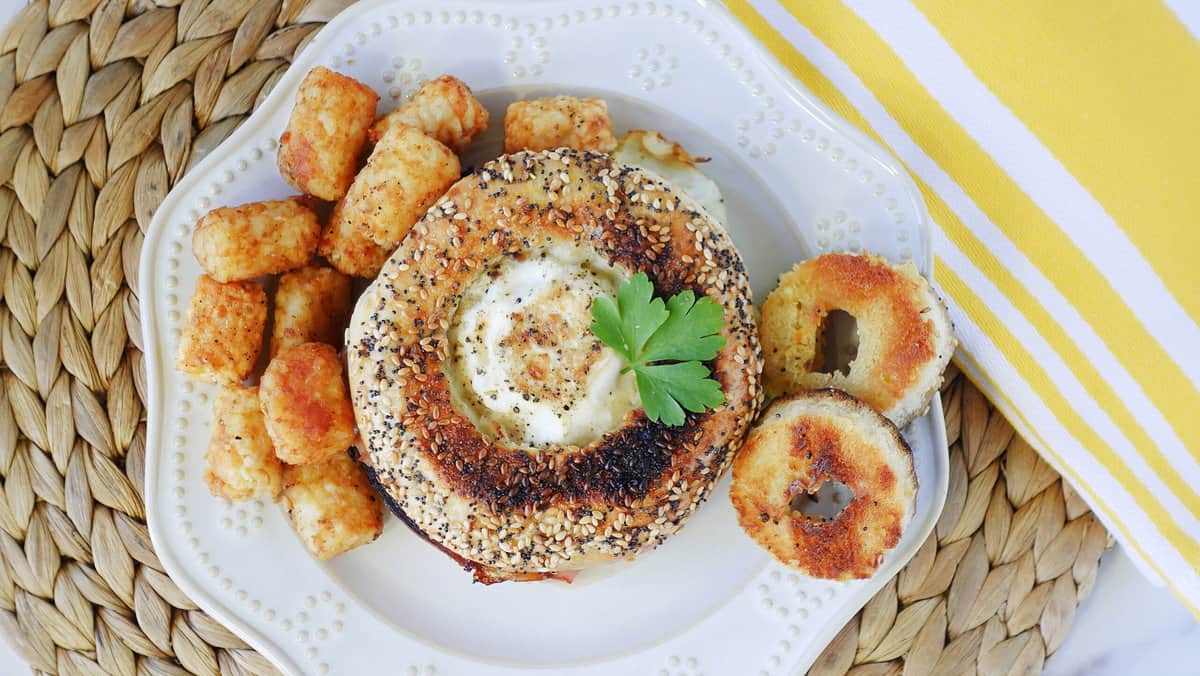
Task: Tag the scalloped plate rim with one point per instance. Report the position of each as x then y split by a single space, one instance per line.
154 360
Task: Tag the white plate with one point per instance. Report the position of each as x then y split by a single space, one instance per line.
797 181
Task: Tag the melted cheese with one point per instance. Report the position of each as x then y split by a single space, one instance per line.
524 365
650 151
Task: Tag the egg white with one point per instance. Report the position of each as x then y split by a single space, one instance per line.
525 365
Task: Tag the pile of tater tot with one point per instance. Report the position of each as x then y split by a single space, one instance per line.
291 435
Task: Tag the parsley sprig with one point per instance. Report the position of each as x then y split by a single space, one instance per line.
665 344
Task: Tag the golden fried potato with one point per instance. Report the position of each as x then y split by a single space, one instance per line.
241 460
407 172
444 108
223 332
332 506
312 305
556 122
304 400
319 150
348 249
256 239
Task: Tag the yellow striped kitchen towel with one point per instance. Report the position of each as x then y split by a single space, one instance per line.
1057 145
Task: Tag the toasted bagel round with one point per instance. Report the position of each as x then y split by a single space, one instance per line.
905 339
495 497
801 442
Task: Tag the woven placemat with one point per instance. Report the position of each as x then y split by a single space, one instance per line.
994 588
103 106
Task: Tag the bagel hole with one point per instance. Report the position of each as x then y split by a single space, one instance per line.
838 342
825 503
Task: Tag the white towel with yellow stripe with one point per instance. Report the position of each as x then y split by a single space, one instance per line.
1057 145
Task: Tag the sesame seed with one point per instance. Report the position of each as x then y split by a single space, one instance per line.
416 418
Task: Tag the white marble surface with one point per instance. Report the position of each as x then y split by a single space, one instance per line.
1127 626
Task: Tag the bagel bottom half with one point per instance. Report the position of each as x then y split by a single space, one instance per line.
801 442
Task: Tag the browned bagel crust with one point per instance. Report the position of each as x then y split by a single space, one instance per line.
803 440
520 511
905 335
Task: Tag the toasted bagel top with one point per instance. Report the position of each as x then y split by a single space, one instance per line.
804 440
549 508
905 338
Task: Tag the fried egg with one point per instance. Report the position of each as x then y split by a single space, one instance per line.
524 364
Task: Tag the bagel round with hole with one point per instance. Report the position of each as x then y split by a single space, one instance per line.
492 420
802 441
905 338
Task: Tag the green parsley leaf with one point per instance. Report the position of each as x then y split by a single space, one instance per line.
649 333
667 389
606 325
626 325
641 312
692 330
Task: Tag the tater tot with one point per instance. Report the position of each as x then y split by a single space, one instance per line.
223 332
407 172
319 150
558 122
256 239
444 108
241 460
305 404
311 306
332 506
349 250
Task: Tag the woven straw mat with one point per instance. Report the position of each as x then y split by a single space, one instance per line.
103 106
